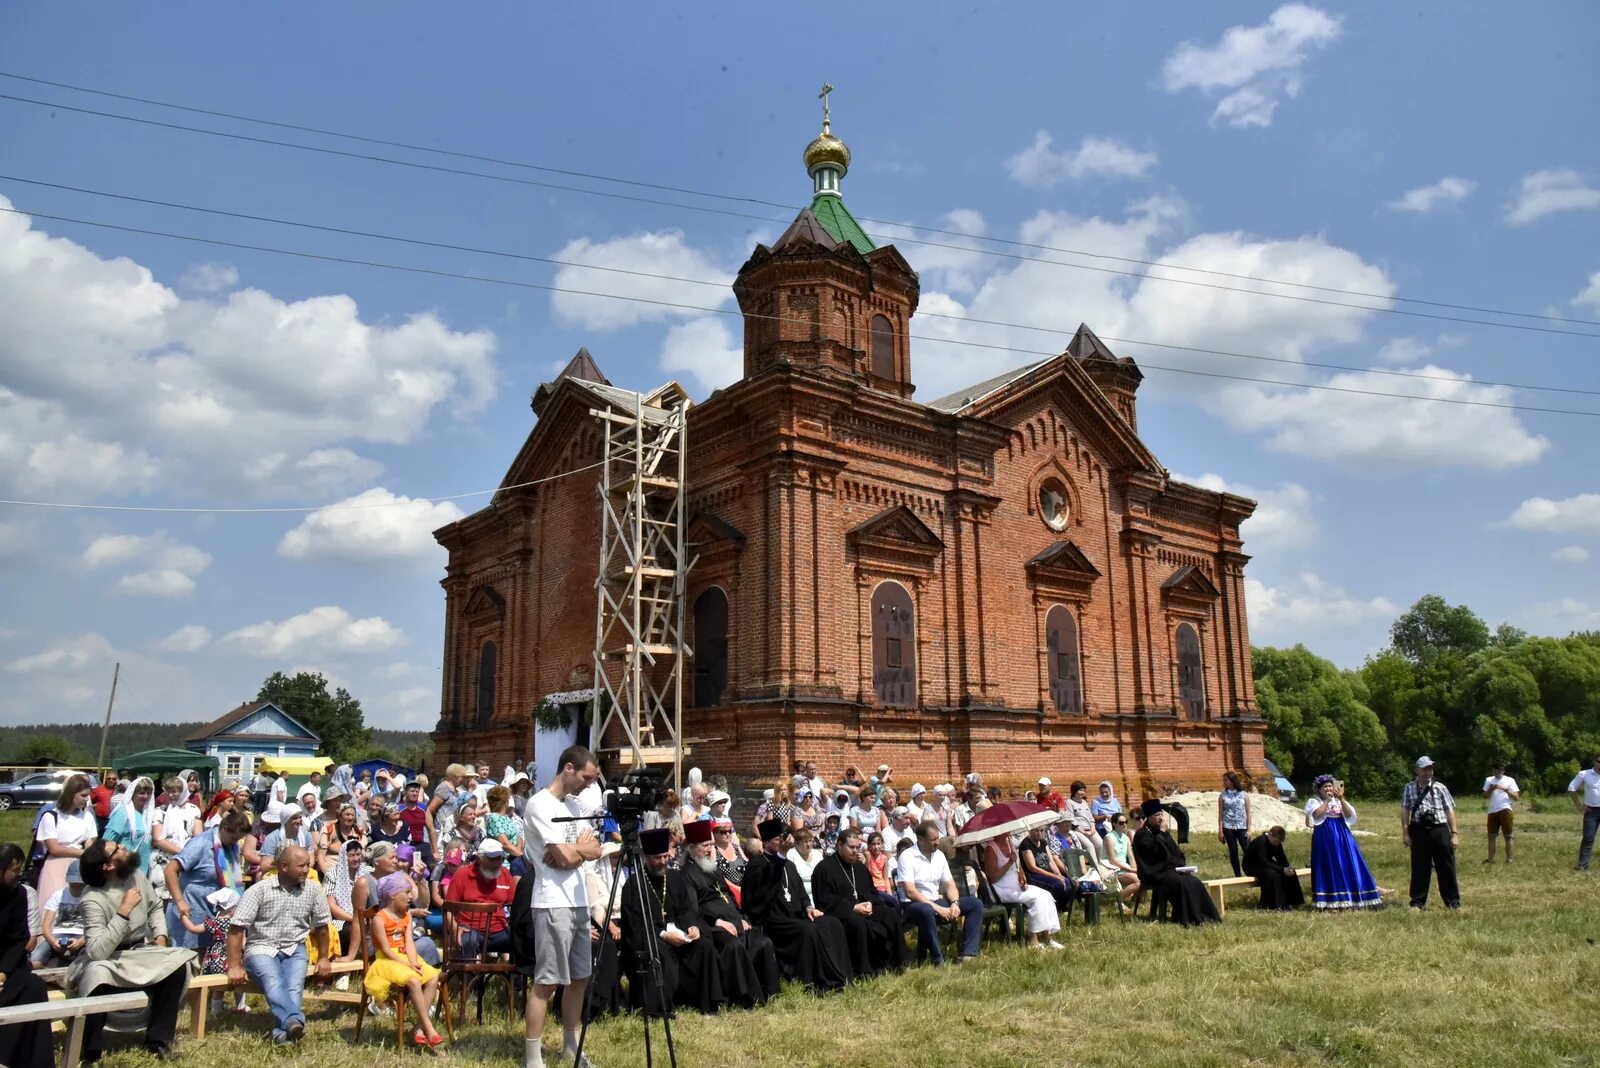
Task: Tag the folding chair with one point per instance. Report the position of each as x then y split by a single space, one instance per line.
467 968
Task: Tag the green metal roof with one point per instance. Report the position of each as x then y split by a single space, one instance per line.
837 220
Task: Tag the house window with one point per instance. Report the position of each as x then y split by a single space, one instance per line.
486 671
1191 673
894 646
710 647
233 766
882 347
1061 648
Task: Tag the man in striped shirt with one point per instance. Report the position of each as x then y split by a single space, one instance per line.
1428 828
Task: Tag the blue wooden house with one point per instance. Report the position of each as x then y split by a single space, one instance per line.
248 735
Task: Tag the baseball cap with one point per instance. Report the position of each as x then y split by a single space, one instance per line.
491 847
883 767
767 795
75 872
1424 762
900 810
1044 780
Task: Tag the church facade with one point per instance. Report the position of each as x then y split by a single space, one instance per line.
1004 579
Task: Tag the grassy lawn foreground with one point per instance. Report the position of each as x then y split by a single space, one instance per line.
1514 978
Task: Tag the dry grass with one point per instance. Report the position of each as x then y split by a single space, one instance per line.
1514 978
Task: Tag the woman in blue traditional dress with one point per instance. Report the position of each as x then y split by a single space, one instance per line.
1340 878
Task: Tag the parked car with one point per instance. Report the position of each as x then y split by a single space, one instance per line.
1285 787
39 788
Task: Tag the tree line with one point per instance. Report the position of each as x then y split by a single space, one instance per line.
1446 686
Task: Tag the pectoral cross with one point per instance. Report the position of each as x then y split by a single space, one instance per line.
823 96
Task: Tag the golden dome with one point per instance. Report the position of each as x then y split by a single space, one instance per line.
827 149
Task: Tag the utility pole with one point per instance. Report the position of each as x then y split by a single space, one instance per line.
105 729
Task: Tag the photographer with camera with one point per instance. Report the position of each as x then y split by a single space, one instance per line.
559 904
1428 826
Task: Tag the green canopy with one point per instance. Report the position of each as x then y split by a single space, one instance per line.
157 763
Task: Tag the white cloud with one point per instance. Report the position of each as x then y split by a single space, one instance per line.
1404 350
1550 191
1578 514
706 349
1441 194
659 253
171 565
210 277
71 654
1571 554
190 392
67 681
1386 432
1591 293
375 527
186 639
166 583
1566 614
1259 64
400 669
325 630
1283 518
956 262
411 708
1040 167
1307 603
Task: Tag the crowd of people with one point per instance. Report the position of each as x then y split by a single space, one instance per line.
824 883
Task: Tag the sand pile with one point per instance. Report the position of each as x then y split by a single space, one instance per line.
1264 812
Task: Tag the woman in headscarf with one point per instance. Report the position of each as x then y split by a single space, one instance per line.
222 802
132 822
173 825
1340 878
1103 807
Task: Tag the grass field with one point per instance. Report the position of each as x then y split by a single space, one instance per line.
1511 979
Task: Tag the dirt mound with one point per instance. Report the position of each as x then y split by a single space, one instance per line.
1264 812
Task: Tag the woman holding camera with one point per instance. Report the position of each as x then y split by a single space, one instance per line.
1340 878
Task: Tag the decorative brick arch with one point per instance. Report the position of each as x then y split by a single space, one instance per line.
1052 469
894 645
711 611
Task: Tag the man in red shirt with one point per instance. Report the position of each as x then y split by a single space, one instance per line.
100 797
414 814
1048 796
485 879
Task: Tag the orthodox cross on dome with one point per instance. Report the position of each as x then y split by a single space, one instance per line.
827 158
823 96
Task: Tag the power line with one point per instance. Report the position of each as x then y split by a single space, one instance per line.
765 218
637 183
543 287
723 284
297 509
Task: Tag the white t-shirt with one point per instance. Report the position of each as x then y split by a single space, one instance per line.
557 888
67 830
1588 781
892 837
927 874
176 820
68 908
1500 800
865 818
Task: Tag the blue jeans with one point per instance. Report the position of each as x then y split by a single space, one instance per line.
472 942
928 926
283 981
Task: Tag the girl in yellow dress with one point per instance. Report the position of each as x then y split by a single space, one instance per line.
394 961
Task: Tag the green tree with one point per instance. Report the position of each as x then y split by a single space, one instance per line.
337 719
1318 719
1433 627
37 748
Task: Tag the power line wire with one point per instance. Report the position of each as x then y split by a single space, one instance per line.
723 284
297 509
637 183
487 279
764 218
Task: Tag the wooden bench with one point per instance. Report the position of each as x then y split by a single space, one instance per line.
1218 888
75 1010
201 987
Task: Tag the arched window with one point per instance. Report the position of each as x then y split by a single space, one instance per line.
1191 673
1061 646
487 658
882 347
894 646
710 647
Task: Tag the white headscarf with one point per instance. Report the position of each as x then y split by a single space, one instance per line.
184 794
138 820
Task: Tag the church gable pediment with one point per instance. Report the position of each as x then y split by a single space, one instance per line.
485 604
1063 568
1190 584
896 533
708 528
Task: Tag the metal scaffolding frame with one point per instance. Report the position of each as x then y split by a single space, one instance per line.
639 650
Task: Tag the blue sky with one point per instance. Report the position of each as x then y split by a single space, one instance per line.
1435 152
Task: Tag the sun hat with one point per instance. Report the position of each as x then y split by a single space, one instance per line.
223 899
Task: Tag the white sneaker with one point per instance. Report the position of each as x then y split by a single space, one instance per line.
1053 944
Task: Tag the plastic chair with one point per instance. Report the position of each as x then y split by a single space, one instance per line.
1078 865
467 967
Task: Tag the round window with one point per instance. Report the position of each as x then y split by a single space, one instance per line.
1053 507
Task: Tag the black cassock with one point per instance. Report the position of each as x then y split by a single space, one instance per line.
1158 858
690 973
813 951
1265 862
25 1045
750 973
876 941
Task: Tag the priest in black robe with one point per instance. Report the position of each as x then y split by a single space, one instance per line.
750 974
1158 859
810 946
690 975
842 887
24 1045
1266 862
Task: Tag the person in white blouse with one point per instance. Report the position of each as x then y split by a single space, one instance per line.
805 857
1340 878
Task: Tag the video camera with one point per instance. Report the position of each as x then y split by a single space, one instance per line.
641 790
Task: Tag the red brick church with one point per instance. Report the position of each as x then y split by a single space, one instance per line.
1003 579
